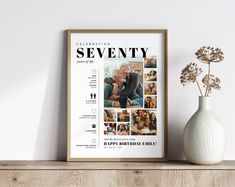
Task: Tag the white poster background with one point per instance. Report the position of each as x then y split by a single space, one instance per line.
80 92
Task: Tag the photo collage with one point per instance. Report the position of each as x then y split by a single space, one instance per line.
130 97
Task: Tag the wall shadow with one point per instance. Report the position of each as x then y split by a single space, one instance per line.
51 137
175 140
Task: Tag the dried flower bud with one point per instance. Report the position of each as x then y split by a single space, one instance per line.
189 73
211 82
209 55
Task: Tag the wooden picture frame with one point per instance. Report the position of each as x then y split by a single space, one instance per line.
108 118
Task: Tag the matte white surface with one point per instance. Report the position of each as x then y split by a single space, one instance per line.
33 65
204 135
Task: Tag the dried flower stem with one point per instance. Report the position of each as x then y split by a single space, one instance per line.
209 71
199 88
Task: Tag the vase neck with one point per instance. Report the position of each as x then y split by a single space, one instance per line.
204 103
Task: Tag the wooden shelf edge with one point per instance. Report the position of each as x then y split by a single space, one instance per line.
63 165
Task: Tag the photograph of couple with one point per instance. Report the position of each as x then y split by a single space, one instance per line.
150 75
123 84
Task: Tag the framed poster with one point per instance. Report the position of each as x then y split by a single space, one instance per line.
117 95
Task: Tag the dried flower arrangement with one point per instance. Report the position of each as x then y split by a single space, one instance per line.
189 74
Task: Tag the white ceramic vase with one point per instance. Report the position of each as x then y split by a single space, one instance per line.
204 136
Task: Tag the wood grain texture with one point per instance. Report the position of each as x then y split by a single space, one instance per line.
117 178
115 174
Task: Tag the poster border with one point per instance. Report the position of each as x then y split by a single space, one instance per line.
164 32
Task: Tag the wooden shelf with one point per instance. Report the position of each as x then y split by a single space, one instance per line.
115 174
63 165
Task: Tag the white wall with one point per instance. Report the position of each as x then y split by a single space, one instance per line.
33 65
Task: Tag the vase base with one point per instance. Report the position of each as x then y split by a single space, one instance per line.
205 162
